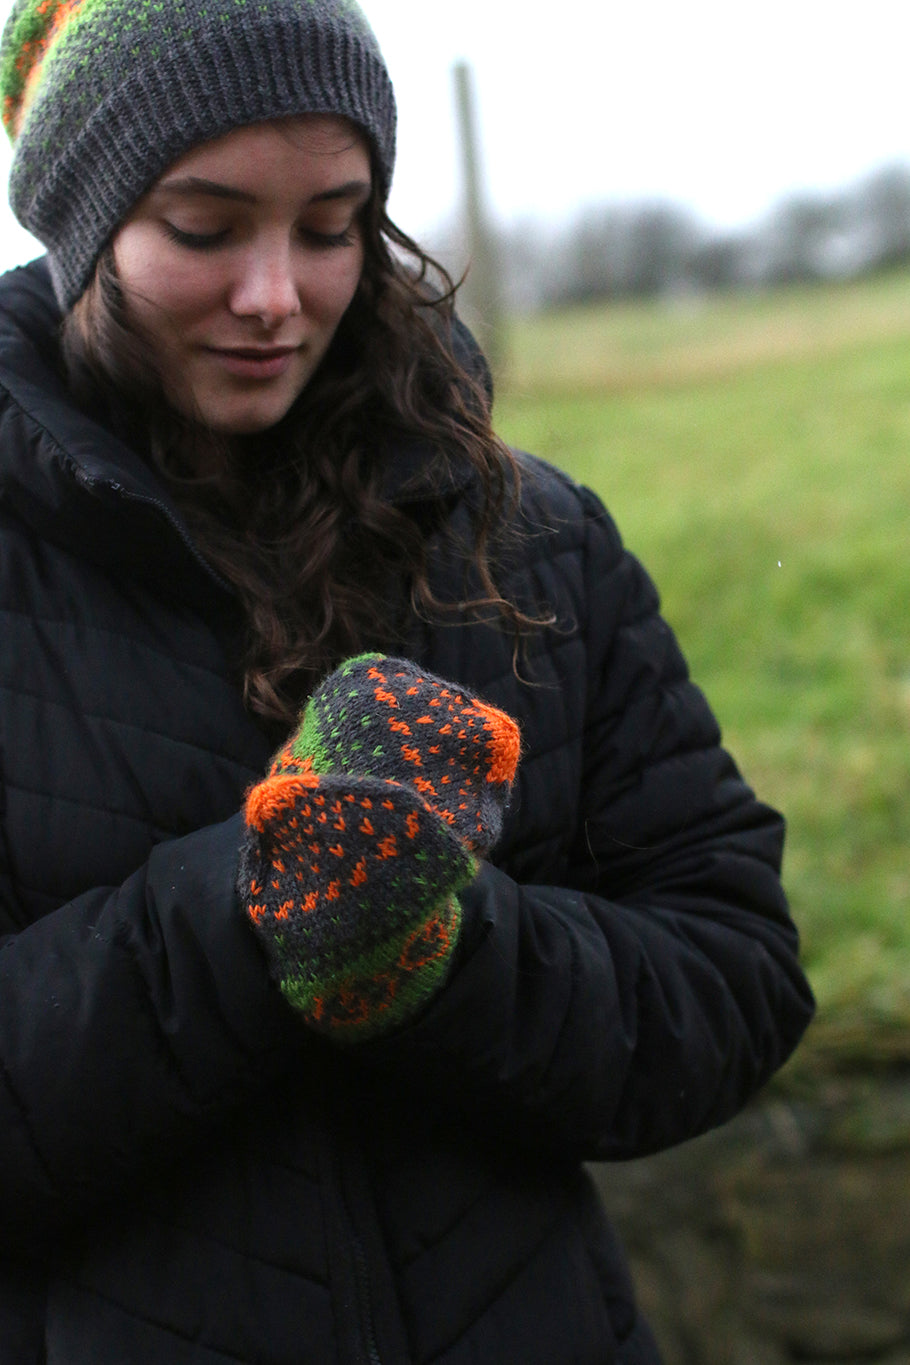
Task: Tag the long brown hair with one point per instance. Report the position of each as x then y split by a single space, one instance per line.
298 519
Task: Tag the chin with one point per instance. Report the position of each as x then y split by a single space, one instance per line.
244 426
229 419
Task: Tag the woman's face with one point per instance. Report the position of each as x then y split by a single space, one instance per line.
238 265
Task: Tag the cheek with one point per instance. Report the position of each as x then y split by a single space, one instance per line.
336 288
161 285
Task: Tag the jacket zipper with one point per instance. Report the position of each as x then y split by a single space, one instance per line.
145 500
348 1246
364 1294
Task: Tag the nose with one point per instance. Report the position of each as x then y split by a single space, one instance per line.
265 286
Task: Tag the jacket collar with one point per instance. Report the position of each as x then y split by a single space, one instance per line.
66 474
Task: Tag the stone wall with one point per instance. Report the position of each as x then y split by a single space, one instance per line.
782 1237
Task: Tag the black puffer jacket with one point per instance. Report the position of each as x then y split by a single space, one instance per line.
187 1178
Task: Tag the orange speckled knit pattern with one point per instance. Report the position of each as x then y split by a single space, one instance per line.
363 832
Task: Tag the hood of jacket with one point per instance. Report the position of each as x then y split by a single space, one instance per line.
65 475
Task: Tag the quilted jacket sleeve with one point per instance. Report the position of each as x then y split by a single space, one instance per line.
646 997
132 1019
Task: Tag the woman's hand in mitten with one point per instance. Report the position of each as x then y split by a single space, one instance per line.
360 837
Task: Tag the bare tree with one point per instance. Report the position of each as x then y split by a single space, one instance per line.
883 208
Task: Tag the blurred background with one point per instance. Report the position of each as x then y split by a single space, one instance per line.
687 236
716 112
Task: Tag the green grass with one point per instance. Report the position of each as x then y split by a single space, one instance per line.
756 454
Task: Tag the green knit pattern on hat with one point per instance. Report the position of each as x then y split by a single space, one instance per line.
367 826
101 96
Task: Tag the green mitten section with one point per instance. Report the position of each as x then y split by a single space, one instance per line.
351 886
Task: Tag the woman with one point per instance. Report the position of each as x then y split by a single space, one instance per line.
300 1058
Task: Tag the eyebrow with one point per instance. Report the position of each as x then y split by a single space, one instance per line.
194 184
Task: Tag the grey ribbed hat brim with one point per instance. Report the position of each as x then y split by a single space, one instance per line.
74 197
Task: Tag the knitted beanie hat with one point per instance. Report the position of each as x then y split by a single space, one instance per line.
99 97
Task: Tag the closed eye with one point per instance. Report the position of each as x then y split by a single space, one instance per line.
330 239
209 241
196 241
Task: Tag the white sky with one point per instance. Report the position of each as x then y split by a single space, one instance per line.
718 105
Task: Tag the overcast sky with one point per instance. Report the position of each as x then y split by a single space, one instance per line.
721 106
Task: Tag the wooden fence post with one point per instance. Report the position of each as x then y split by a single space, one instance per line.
480 298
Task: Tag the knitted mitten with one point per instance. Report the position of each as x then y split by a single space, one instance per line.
367 825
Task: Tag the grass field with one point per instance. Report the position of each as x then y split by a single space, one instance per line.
756 454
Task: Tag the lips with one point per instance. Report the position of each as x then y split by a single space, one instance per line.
253 362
